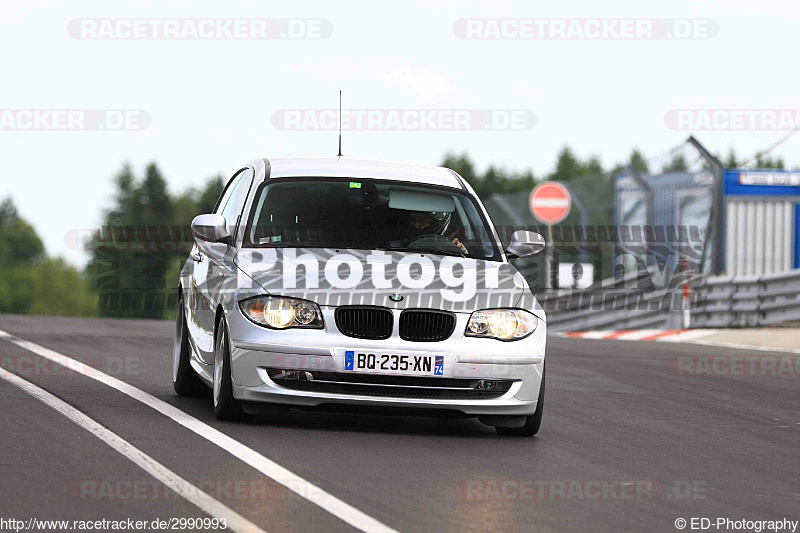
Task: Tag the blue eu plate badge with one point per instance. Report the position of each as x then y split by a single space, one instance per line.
348 360
438 368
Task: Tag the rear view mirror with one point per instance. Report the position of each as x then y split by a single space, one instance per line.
211 228
525 243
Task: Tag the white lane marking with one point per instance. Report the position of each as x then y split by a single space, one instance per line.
595 334
269 468
186 490
688 335
692 336
745 346
611 334
637 334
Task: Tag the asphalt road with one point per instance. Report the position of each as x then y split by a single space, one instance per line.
625 445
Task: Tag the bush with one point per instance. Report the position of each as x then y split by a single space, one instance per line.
59 289
16 289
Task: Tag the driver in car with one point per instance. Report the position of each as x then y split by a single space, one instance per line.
425 223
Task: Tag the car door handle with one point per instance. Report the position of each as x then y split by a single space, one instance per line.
197 257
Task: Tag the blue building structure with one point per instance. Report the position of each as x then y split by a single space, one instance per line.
680 203
762 221
760 213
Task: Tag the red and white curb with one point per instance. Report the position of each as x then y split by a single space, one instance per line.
661 335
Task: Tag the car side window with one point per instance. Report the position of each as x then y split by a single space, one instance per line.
235 201
226 194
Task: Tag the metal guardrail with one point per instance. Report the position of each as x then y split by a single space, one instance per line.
633 311
723 301
718 302
629 302
563 300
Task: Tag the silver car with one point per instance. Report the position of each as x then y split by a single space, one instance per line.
349 284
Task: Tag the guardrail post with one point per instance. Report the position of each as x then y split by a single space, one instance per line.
687 312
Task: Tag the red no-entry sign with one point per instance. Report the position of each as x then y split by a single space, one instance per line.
550 202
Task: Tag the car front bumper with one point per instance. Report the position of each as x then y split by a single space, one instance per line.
255 350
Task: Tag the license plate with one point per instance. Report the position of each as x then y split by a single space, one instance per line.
415 365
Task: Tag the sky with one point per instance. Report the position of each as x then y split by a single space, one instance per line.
210 105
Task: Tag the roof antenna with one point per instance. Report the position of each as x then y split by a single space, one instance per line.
340 123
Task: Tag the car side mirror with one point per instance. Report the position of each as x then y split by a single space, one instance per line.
525 244
211 228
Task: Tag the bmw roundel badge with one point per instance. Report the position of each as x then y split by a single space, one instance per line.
395 297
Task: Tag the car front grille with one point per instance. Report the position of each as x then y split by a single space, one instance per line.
425 325
394 386
364 322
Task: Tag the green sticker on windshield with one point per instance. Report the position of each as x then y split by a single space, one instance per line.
355 185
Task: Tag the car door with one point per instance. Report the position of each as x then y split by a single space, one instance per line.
217 263
200 333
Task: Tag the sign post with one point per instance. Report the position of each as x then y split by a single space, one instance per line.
550 203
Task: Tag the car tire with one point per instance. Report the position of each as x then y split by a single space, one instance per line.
226 407
532 422
184 380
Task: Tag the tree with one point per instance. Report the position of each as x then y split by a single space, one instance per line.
8 211
156 201
462 165
29 282
20 249
593 166
638 161
567 166
494 181
16 289
731 161
676 164
59 289
209 195
185 206
570 168
127 266
127 200
19 243
133 268
764 161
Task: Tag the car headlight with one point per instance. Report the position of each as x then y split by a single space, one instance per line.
278 312
503 324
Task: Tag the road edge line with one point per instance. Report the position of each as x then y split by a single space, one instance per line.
338 508
187 491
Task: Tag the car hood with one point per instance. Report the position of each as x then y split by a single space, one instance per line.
397 280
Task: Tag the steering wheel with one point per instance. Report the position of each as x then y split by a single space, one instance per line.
433 241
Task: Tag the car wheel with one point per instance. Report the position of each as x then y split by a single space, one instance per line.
226 407
184 380
532 422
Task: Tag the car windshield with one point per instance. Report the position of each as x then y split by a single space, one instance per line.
368 214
